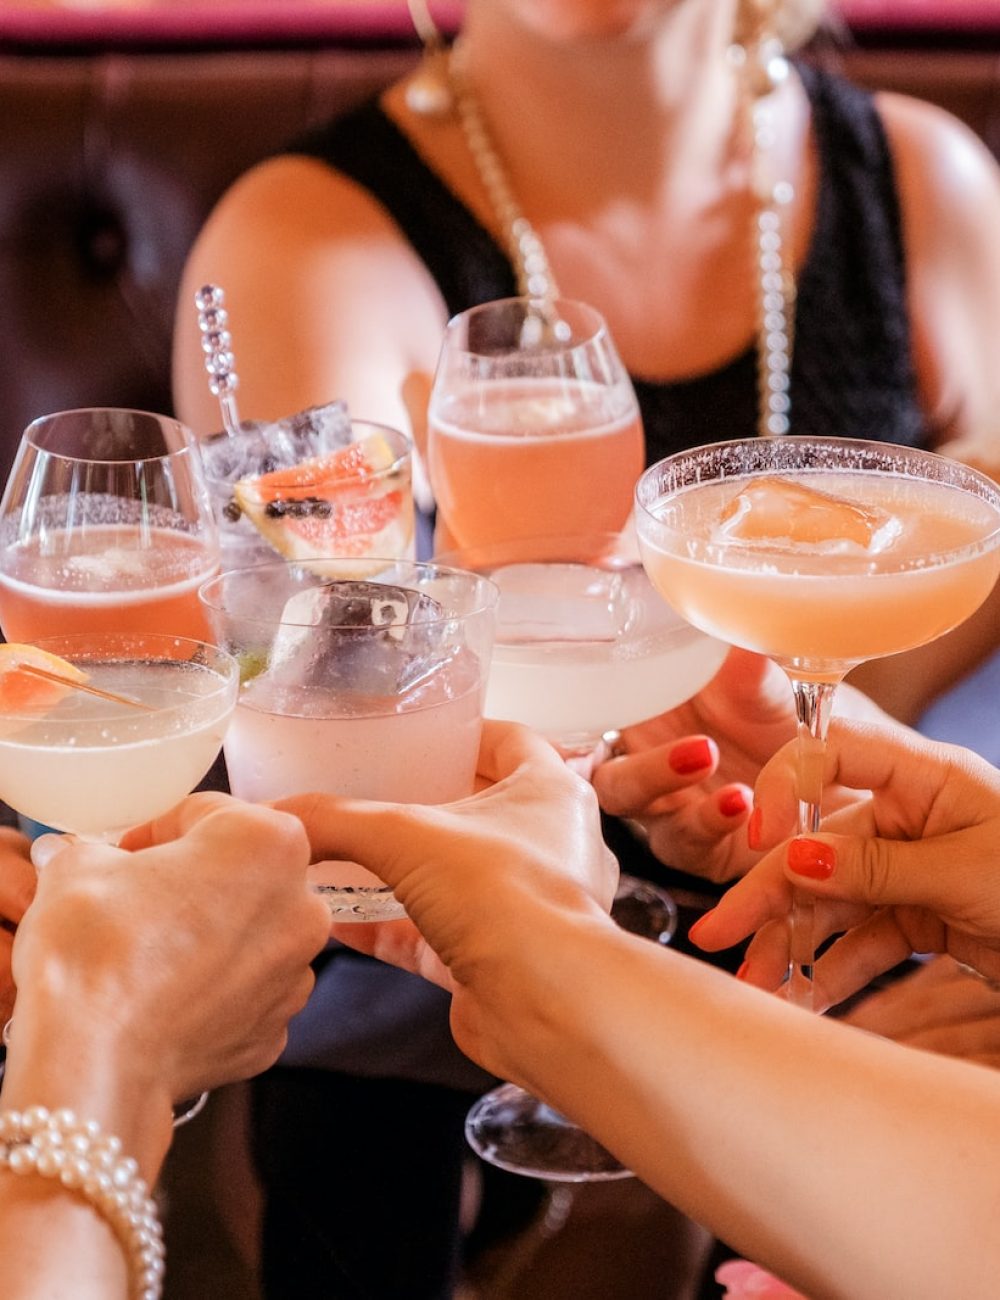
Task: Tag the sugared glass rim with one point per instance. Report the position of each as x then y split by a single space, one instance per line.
653 531
486 604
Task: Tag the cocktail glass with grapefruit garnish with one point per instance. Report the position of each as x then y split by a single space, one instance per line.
822 554
103 731
105 524
368 687
315 485
533 426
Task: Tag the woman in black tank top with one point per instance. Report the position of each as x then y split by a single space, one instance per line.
342 260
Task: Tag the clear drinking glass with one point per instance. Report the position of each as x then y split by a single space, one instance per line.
533 426
583 646
820 553
105 525
315 484
371 688
122 744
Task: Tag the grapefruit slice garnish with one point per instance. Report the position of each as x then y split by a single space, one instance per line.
28 694
342 505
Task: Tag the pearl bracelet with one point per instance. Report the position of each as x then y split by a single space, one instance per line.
55 1144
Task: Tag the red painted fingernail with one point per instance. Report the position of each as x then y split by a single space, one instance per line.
733 803
812 858
693 929
741 974
690 756
753 828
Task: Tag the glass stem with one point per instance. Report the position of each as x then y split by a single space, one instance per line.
813 706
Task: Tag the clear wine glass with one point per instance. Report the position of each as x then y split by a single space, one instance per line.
583 646
822 554
105 525
533 425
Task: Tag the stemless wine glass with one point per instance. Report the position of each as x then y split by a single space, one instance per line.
583 646
533 426
105 524
368 685
821 553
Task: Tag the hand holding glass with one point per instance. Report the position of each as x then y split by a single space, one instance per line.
821 553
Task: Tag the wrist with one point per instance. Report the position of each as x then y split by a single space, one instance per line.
58 1058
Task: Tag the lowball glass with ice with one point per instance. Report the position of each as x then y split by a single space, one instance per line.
315 484
367 683
822 554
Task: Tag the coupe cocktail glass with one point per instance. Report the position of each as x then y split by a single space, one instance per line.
822 554
583 646
96 766
105 525
533 426
368 687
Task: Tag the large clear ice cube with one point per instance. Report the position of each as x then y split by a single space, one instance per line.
771 510
360 638
262 446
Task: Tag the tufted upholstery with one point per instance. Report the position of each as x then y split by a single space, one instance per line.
109 163
108 166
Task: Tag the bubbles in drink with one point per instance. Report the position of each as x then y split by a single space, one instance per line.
772 510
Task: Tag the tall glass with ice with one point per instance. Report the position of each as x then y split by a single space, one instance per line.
366 682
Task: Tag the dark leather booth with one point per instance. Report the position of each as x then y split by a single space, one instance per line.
117 137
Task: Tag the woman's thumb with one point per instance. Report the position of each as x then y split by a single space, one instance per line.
871 870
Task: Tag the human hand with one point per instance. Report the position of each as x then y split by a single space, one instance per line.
17 888
938 1007
185 957
911 868
687 774
480 878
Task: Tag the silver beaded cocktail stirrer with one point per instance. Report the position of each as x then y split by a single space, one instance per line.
217 344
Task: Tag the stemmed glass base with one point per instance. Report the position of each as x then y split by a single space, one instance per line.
510 1128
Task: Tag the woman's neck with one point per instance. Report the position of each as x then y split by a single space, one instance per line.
655 105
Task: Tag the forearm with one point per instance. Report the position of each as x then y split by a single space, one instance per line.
850 1166
52 1242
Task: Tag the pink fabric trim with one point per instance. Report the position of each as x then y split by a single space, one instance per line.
216 21
937 15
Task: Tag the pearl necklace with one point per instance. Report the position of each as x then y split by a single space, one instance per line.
765 69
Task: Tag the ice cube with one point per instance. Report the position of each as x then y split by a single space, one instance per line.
775 510
262 446
357 637
560 602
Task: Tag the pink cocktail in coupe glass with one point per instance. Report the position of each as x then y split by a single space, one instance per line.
533 426
822 554
105 526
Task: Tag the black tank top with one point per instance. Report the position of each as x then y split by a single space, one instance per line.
852 369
